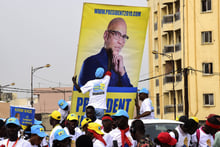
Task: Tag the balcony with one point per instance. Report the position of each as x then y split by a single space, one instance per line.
178 77
168 19
168 49
168 79
177 16
165 2
167 23
168 109
180 107
177 47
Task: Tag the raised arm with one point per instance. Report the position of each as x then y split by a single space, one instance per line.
75 84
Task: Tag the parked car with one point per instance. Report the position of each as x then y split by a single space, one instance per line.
154 126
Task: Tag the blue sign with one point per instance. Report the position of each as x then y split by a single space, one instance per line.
24 115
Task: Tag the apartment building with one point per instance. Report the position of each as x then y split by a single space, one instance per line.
184 37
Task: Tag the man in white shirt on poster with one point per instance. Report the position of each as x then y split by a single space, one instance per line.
147 109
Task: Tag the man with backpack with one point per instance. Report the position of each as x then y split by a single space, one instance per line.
204 136
182 133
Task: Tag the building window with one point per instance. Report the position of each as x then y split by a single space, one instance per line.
157 82
158 103
207 68
207 37
208 99
206 5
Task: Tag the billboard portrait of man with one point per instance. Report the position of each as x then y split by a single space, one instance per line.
115 37
110 34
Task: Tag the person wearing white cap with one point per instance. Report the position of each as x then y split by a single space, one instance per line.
64 109
97 91
121 135
37 135
147 109
12 128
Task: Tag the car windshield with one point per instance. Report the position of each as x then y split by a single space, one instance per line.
152 130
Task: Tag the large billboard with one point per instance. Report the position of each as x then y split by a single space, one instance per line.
98 34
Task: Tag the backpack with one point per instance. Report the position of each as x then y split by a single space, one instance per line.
198 136
145 142
175 133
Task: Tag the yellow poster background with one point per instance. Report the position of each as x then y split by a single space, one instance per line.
91 41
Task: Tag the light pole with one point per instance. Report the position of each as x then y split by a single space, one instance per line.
173 81
63 91
4 87
32 73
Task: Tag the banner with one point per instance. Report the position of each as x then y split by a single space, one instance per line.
24 115
122 29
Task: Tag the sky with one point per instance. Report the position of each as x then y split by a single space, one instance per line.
35 33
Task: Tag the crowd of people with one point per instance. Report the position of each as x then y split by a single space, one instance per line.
98 129
109 131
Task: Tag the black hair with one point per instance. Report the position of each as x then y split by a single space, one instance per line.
137 125
183 118
157 141
2 123
190 123
27 132
38 116
56 143
84 141
90 107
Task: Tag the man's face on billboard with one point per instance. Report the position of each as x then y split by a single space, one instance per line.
116 36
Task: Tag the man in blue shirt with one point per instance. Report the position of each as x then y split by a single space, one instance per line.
114 39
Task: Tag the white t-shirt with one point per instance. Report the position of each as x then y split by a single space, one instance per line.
73 137
64 113
97 91
20 143
44 142
183 138
52 134
205 140
116 135
98 121
147 106
98 143
108 141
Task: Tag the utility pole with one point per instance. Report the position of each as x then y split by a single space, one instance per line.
32 77
174 93
185 74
